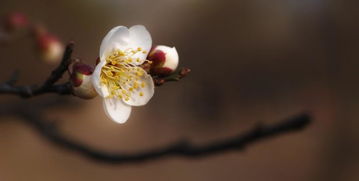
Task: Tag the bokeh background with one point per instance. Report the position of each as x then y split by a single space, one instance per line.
252 60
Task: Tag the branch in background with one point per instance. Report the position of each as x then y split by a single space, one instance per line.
48 86
181 148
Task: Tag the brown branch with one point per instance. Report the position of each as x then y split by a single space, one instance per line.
176 76
48 86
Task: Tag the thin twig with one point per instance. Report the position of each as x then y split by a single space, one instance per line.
176 76
62 68
49 86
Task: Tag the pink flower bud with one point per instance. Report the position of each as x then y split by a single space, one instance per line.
15 21
51 48
81 81
164 60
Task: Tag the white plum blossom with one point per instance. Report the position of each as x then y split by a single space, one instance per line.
118 77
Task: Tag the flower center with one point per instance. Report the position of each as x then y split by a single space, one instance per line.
121 75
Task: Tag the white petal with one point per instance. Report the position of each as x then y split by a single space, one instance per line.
117 37
117 110
100 89
142 95
140 37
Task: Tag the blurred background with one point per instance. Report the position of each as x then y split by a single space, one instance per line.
252 61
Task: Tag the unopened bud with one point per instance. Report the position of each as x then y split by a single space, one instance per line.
50 47
164 60
81 81
15 21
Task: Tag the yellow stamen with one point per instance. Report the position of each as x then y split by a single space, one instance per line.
120 76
